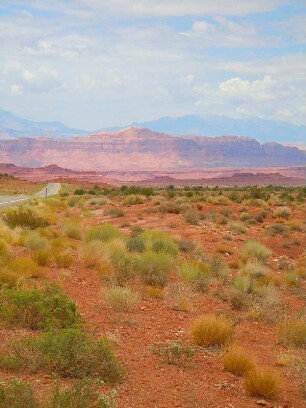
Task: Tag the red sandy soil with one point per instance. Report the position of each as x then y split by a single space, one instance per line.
207 177
150 383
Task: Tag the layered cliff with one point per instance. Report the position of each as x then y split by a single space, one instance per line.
141 149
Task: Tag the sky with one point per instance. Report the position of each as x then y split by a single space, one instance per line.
98 63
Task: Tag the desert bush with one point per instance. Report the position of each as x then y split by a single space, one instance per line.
244 216
240 300
23 217
67 352
42 256
133 199
254 270
25 268
121 298
73 230
292 332
64 259
17 394
191 217
282 212
253 250
114 212
237 227
185 245
4 253
173 352
218 267
263 383
212 330
277 229
179 296
159 241
37 310
121 261
104 233
135 244
154 268
242 283
80 395
35 241
238 361
92 253
191 271
266 303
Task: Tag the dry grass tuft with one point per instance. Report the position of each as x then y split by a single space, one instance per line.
263 383
292 332
238 361
212 330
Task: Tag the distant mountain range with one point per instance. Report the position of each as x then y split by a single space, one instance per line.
140 149
215 125
12 126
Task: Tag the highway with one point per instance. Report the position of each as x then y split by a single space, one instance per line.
9 201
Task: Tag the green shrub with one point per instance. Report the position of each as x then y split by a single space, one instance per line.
104 233
159 241
67 352
23 217
37 310
35 241
17 394
173 352
73 230
253 250
242 284
135 244
121 298
122 262
192 271
154 268
81 395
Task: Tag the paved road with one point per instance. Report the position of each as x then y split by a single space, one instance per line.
9 201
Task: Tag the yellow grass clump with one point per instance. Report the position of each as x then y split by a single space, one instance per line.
212 330
264 383
238 361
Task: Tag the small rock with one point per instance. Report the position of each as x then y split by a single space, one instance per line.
261 402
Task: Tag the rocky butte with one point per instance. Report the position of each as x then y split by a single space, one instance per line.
137 148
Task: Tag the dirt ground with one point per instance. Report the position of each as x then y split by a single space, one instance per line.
203 383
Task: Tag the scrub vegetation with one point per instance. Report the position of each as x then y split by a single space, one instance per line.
103 289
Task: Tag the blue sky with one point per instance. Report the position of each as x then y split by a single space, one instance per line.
98 63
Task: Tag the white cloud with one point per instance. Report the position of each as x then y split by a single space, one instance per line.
16 89
89 62
224 32
165 8
260 89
